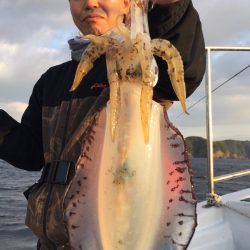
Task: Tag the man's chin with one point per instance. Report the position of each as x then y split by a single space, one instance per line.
92 31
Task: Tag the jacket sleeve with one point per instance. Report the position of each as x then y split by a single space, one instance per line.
21 143
180 24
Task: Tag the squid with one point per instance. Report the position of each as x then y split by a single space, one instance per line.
121 50
132 188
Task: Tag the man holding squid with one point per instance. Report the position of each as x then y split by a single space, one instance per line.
47 136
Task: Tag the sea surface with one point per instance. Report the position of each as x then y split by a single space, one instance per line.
14 235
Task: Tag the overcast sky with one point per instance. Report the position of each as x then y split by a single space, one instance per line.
34 34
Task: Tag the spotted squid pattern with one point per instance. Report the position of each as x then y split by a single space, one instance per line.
133 189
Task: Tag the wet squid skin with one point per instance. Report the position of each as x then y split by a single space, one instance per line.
143 201
132 190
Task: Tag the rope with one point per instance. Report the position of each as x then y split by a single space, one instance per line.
228 80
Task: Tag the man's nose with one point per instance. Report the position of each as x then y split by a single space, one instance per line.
90 4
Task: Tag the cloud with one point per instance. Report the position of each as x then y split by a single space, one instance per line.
6 51
22 19
224 22
230 115
20 69
33 38
15 109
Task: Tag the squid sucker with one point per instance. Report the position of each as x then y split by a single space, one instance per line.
132 189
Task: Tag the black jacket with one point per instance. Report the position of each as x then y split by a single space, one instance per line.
54 114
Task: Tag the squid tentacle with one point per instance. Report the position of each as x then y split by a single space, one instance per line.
95 49
114 85
148 76
146 107
170 54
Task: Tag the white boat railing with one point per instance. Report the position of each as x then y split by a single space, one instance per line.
211 178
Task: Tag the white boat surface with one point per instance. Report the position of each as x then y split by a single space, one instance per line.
226 227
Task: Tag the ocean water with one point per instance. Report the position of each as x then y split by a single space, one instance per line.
14 235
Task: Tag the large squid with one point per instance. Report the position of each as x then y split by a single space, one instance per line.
132 188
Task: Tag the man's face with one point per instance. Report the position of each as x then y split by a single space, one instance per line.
97 16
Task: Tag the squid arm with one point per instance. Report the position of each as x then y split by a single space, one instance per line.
114 86
146 59
93 52
170 54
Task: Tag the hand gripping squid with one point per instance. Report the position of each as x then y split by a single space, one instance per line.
132 190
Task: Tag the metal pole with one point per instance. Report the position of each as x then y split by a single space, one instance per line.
221 48
210 160
232 175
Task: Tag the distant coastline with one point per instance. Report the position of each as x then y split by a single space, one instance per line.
226 149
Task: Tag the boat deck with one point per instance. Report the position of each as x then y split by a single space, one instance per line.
226 227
